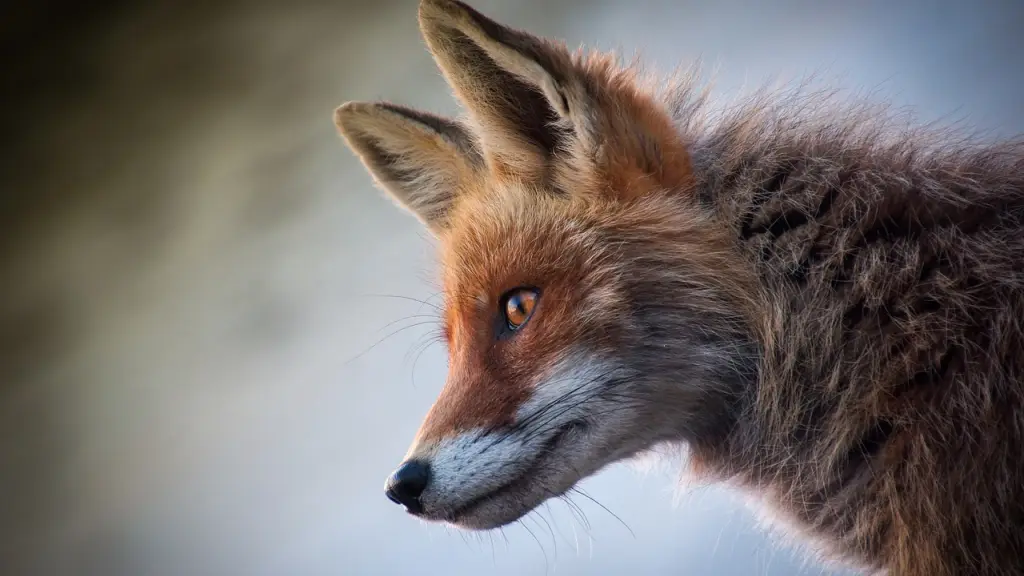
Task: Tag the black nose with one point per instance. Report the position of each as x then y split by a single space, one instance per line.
407 483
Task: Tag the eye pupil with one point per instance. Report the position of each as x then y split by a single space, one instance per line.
519 306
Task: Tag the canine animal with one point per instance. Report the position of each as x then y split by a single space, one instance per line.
824 310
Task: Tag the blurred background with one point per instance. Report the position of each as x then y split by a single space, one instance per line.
198 281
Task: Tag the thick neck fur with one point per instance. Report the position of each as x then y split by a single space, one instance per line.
886 401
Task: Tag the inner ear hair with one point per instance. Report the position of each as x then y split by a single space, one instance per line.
510 81
547 114
420 159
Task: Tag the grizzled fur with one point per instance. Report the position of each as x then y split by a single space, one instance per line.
827 308
887 413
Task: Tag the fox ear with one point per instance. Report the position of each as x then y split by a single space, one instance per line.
419 159
544 114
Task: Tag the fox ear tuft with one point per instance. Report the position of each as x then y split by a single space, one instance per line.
508 81
545 114
419 159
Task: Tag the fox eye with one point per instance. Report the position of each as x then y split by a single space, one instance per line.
518 305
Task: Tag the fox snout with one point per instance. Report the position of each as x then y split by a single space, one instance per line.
487 466
485 475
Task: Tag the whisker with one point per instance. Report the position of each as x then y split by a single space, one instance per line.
555 402
378 342
529 419
399 297
577 511
404 318
539 545
494 559
542 427
430 342
614 515
425 341
505 536
538 518
575 538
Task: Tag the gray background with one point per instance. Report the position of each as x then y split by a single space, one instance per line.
192 264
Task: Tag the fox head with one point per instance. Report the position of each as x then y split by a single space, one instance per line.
593 306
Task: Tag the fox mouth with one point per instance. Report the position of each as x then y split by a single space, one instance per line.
520 486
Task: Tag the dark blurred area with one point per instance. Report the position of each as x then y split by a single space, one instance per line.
68 123
100 98
90 86
50 67
47 71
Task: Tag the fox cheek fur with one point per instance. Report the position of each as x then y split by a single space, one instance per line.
826 312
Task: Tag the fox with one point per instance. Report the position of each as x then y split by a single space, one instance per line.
823 308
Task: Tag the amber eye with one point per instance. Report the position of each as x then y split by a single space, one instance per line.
519 305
